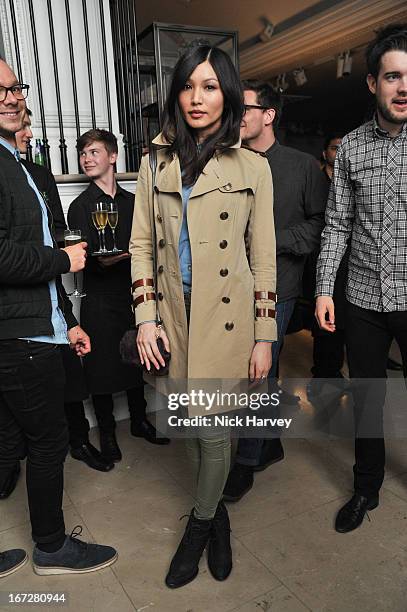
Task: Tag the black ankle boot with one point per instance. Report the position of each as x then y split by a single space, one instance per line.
239 482
220 551
185 563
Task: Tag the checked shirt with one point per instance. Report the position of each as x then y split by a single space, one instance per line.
368 204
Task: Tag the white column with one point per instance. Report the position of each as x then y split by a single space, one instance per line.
25 39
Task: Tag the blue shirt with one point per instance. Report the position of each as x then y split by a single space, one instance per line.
184 246
57 318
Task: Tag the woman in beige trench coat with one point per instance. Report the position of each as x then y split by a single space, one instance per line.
217 306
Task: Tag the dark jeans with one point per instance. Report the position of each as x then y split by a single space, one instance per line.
33 425
249 449
103 405
369 335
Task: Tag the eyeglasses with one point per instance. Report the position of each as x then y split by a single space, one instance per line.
19 91
249 106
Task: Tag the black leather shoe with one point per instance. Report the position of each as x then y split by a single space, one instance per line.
284 396
272 451
219 550
316 385
393 365
147 431
350 516
239 482
109 448
92 457
10 482
185 563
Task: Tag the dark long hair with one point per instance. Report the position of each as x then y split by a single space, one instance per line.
176 130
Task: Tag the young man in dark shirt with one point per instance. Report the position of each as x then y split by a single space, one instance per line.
106 310
300 193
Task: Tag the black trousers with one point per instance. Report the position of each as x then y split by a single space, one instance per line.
33 425
78 424
103 405
369 335
328 353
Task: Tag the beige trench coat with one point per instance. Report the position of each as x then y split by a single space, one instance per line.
233 301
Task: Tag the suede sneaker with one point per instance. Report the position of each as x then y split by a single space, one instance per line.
11 561
74 557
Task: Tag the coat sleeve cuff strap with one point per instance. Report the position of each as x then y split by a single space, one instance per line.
265 312
142 282
264 295
143 298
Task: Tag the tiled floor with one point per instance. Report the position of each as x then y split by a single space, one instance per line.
287 556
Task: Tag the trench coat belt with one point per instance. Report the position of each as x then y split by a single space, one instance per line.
264 295
142 282
143 298
265 312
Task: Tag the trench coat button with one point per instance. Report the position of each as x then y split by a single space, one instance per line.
224 272
228 186
159 218
223 244
229 326
155 189
160 269
161 243
162 166
160 296
224 215
225 300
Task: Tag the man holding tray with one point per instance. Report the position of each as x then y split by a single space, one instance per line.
106 310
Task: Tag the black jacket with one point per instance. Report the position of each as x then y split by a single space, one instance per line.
300 195
46 185
26 265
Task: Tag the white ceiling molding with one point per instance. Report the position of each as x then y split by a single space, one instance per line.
345 26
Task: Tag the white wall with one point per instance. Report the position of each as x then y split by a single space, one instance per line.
25 38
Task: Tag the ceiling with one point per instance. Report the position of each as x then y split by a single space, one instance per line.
307 33
242 15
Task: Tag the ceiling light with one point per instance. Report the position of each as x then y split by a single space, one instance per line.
300 77
344 65
339 66
266 34
347 64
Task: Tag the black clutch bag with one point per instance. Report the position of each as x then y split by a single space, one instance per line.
130 356
128 346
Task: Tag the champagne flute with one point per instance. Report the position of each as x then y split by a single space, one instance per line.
99 218
74 237
112 219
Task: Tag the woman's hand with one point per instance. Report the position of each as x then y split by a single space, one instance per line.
260 361
147 345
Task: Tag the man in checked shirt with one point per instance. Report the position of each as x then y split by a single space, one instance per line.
368 201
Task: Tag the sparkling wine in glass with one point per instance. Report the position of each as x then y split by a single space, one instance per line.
112 219
99 218
74 237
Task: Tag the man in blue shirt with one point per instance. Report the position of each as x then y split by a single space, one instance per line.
35 319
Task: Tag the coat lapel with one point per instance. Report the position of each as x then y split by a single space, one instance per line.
168 176
210 179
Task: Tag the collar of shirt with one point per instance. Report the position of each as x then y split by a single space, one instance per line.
96 192
10 148
379 131
273 148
